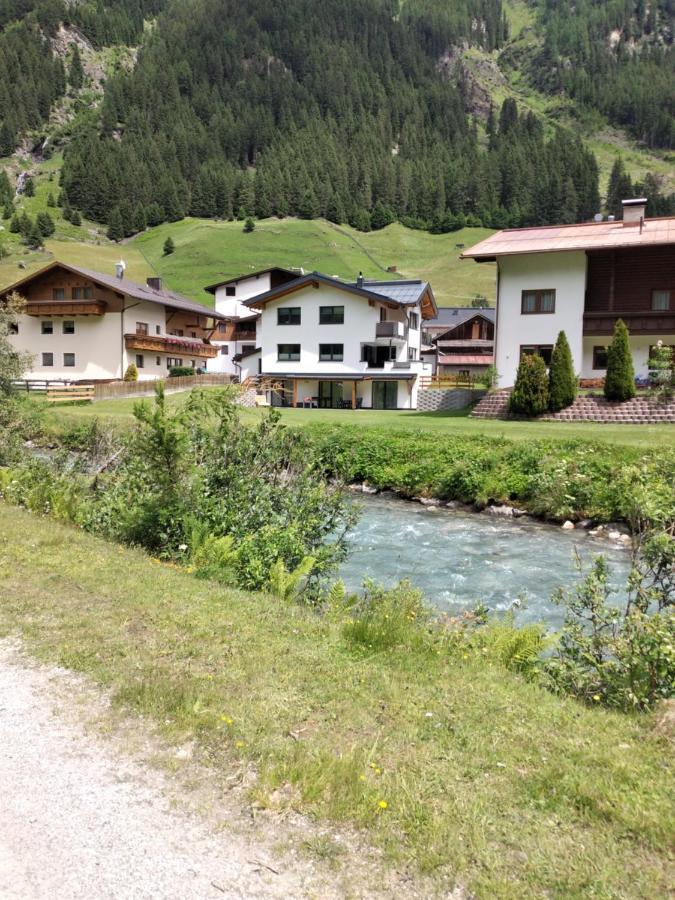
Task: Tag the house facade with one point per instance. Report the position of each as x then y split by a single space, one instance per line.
460 341
580 279
329 343
81 325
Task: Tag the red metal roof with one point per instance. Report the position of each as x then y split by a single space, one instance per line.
587 236
454 359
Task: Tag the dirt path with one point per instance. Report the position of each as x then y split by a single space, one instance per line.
79 818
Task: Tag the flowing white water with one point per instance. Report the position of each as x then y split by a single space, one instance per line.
459 558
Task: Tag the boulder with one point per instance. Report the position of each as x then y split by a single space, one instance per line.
568 526
504 511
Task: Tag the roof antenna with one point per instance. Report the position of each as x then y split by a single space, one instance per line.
359 280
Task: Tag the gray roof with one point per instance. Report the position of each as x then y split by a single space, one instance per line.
451 316
211 288
130 288
408 293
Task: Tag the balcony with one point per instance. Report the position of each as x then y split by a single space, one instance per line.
152 343
646 322
51 308
393 331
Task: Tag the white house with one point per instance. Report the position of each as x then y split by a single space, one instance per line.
330 343
580 279
235 335
81 325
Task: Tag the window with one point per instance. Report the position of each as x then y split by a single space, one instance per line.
82 293
158 329
172 361
192 363
222 327
660 300
58 294
543 350
537 302
140 361
249 348
48 328
599 357
288 315
331 315
230 291
414 321
288 352
193 334
383 314
68 359
178 332
224 350
13 328
412 353
68 326
331 352
141 327
47 359
158 360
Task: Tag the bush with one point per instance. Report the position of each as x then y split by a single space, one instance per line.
562 382
131 373
169 246
249 225
620 378
530 392
178 371
662 371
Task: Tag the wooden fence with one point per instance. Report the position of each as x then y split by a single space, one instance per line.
116 389
448 382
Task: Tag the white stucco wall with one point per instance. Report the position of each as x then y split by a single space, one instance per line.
639 346
563 272
97 344
245 288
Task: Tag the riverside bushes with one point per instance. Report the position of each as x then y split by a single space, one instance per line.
549 478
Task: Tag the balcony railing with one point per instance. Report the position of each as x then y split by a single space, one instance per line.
646 322
66 308
395 330
158 344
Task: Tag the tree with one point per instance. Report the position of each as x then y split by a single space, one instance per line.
480 301
45 223
12 363
34 237
620 377
169 246
562 382
29 187
381 217
15 224
51 202
115 226
75 218
131 373
530 392
249 225
8 211
75 70
619 188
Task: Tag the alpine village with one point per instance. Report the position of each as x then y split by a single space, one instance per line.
337 449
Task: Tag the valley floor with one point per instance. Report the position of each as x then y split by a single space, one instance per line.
462 773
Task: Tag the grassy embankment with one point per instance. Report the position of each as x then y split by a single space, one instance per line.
487 779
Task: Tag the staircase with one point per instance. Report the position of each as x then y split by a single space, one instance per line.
493 405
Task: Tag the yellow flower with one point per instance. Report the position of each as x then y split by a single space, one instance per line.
383 804
240 744
596 696
378 771
226 719
362 777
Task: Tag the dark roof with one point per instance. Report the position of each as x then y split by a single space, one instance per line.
390 375
127 287
451 316
398 293
211 288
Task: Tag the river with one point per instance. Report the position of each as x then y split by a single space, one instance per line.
459 558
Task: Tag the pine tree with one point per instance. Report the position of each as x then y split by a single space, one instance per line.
308 208
29 187
34 236
75 70
562 382
620 377
620 188
15 224
75 218
530 392
169 246
50 201
381 217
25 224
154 214
45 224
7 211
115 226
249 225
7 139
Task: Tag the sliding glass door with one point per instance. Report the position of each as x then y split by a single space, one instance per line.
385 394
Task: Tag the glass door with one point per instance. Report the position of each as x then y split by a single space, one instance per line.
385 394
330 394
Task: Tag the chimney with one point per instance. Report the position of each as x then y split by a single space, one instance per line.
359 280
155 283
119 269
634 211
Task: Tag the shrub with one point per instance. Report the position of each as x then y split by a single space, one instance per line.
662 371
620 378
178 371
249 225
562 382
131 373
530 392
169 246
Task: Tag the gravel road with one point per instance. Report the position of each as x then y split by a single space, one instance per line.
80 820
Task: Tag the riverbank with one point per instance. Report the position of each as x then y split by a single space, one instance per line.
450 763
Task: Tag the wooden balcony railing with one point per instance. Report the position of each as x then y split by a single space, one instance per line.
156 344
646 322
66 308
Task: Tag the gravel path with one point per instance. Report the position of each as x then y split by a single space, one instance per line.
80 820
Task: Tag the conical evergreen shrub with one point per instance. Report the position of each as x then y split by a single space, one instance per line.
620 378
562 382
530 392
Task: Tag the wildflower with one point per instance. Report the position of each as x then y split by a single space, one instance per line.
362 777
226 719
240 744
377 771
182 546
596 697
383 804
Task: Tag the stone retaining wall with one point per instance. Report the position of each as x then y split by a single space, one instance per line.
432 399
638 411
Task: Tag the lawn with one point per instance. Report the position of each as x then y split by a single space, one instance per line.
455 422
488 780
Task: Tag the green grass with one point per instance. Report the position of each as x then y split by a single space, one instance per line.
456 422
489 781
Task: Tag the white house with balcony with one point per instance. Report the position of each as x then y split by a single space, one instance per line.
580 279
323 342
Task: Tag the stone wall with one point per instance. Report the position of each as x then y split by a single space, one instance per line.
642 410
431 399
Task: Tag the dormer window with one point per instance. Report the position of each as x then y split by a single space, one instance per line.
231 290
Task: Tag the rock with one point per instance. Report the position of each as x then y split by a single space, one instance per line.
618 526
454 504
568 526
585 523
595 533
506 511
430 501
519 513
368 489
614 535
625 539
